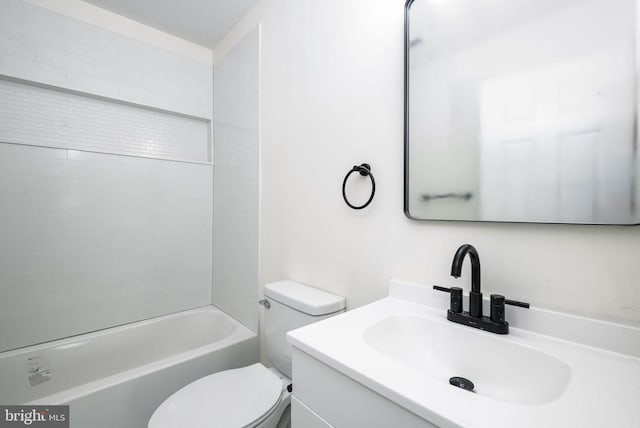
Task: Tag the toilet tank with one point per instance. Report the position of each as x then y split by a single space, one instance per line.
293 305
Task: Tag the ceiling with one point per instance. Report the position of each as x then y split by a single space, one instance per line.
204 22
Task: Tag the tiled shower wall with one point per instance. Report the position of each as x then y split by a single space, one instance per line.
237 177
89 241
93 240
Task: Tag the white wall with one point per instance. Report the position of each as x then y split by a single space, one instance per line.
236 181
89 13
48 47
331 97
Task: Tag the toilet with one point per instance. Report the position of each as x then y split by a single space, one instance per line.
252 396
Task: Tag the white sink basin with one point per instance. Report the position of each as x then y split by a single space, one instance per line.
500 369
552 370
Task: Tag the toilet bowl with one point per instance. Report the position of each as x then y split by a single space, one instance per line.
252 396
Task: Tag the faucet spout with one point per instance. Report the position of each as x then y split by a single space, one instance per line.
456 266
475 296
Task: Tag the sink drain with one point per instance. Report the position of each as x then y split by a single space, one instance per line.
461 382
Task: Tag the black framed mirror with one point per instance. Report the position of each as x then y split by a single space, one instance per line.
521 111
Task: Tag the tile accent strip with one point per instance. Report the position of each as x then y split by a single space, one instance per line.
47 116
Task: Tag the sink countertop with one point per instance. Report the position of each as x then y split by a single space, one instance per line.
603 388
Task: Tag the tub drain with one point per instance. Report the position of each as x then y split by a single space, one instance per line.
461 382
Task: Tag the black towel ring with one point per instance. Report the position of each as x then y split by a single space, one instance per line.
364 170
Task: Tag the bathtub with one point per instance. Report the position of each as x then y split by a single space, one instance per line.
116 378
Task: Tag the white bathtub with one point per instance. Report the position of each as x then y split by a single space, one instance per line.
116 378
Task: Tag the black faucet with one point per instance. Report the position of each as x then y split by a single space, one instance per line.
495 323
475 295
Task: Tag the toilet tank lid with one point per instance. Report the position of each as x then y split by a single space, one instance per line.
304 298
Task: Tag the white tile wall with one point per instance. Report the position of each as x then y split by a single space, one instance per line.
41 45
47 117
236 181
89 241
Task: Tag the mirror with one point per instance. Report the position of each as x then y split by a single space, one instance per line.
521 111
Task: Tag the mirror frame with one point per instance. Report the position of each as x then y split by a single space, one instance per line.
407 8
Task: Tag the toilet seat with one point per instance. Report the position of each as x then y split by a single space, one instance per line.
229 399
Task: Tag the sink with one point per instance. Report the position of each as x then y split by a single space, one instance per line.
551 370
499 368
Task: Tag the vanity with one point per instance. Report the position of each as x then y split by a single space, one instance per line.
390 364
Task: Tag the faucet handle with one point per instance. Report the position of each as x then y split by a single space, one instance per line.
497 303
496 308
455 303
516 303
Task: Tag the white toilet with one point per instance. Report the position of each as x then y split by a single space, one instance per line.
253 396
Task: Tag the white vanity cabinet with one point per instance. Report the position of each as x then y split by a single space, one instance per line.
305 417
324 398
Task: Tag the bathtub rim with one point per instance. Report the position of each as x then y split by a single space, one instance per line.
108 330
240 333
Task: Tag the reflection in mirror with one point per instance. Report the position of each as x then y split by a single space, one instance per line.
521 110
